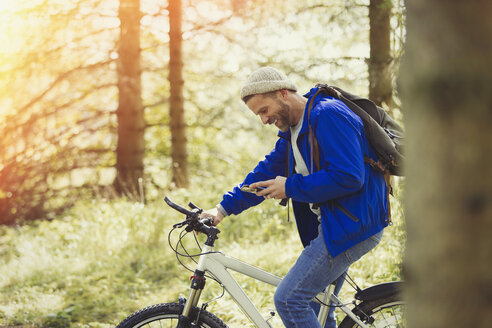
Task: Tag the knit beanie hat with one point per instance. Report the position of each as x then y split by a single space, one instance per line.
266 79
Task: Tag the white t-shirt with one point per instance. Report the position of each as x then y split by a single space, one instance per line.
301 166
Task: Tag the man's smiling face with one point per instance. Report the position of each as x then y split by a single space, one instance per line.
272 110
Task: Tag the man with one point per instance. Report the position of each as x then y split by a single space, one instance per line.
340 210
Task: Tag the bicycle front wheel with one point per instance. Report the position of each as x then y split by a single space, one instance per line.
385 312
167 315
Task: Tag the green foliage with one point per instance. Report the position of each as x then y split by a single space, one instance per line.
59 320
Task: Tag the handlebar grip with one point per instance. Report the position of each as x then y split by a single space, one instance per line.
178 208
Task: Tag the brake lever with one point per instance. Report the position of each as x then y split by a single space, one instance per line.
195 208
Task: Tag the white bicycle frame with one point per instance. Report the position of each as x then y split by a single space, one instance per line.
218 263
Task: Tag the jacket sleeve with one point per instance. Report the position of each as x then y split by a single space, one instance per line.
340 136
274 164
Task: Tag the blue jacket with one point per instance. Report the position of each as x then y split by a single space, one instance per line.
344 177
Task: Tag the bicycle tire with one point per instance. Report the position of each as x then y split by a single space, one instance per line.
155 315
383 312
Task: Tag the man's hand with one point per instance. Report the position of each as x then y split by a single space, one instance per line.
213 213
274 188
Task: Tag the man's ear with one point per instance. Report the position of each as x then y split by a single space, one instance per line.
284 93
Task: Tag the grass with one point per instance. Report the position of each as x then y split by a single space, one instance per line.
101 261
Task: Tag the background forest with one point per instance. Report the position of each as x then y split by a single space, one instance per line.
107 106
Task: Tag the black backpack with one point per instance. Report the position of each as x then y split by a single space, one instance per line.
382 132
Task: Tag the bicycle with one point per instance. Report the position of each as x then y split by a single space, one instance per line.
378 306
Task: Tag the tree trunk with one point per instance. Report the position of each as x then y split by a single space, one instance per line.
179 154
380 86
447 102
131 124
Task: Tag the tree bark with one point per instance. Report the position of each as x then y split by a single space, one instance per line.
380 86
179 155
131 124
447 102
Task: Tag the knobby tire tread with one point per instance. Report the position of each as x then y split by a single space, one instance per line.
169 308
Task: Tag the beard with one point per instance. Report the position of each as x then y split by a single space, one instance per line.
283 117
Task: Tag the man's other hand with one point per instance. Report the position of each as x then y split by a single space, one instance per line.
213 213
275 188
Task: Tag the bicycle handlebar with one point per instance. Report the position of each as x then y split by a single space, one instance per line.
193 221
179 208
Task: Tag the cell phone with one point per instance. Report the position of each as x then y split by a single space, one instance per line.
247 188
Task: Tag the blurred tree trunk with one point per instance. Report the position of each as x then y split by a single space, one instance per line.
179 154
130 113
446 80
380 88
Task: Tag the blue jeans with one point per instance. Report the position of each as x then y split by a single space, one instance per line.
310 275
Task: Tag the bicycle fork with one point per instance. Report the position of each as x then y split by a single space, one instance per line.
197 284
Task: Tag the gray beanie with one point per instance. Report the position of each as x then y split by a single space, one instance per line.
266 79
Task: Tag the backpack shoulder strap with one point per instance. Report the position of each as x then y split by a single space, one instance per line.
313 142
332 92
